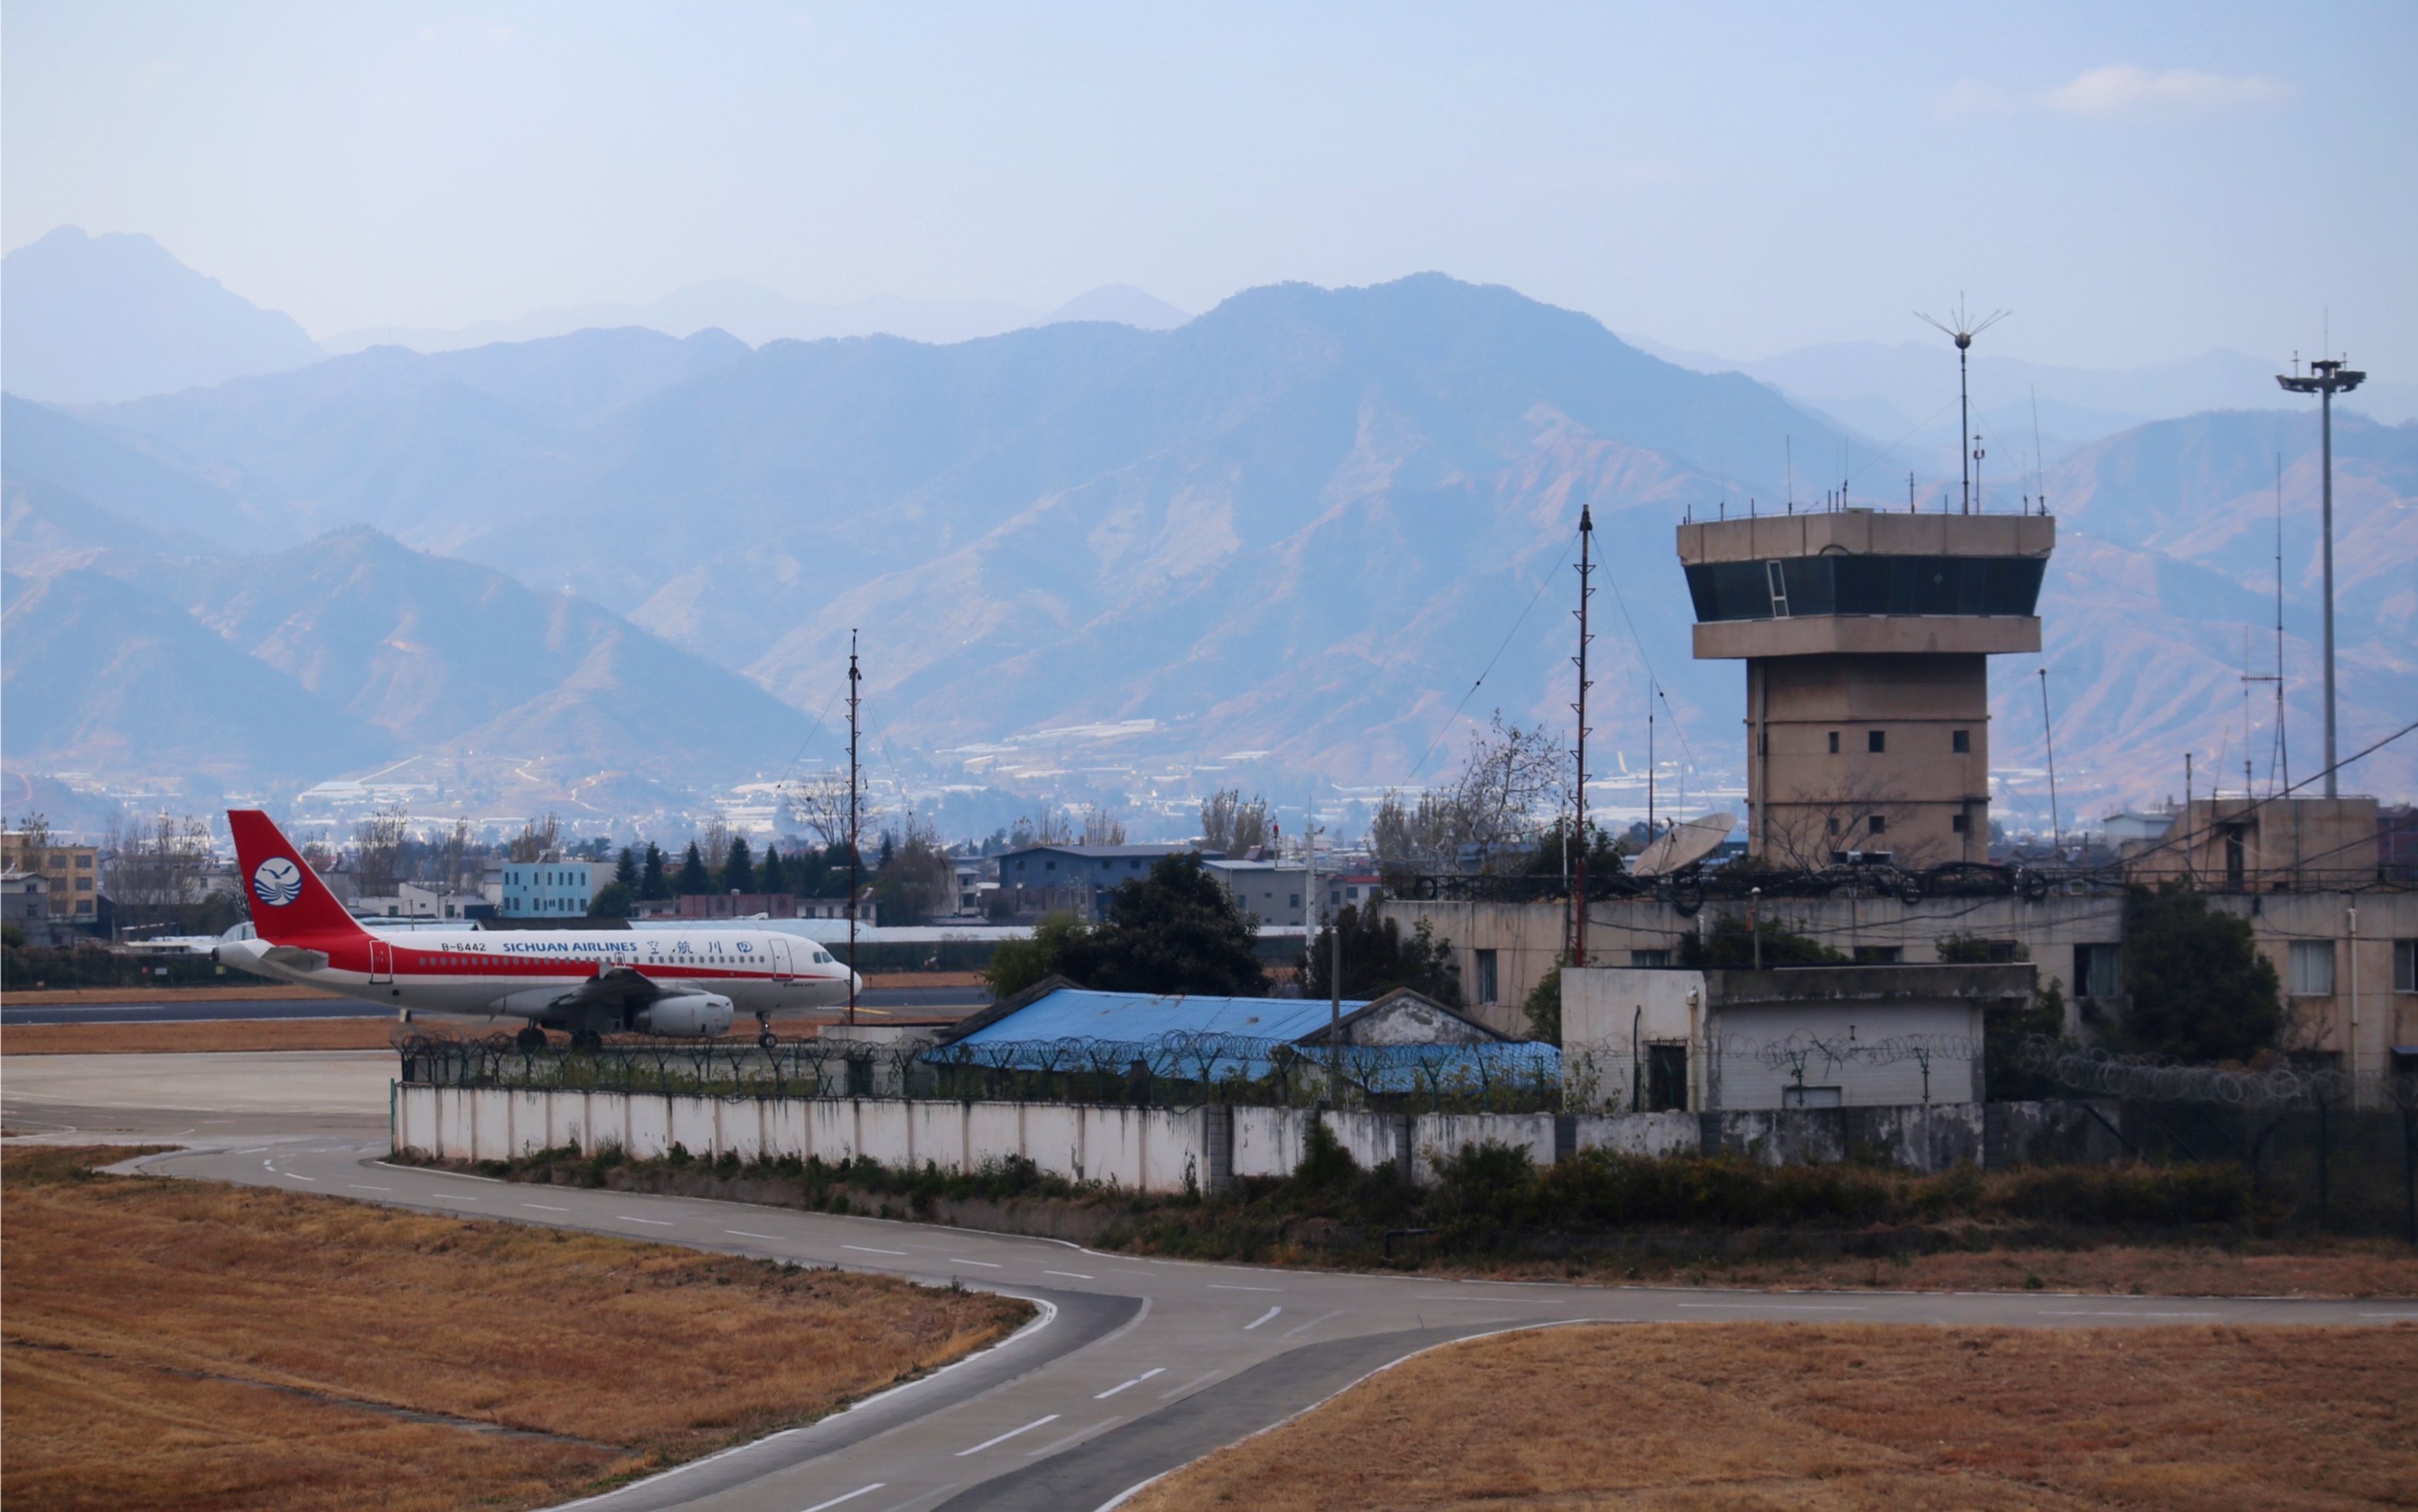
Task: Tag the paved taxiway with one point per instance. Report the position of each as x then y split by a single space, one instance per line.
1134 1368
884 1002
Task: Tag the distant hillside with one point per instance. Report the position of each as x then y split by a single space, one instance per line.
1285 537
98 318
350 649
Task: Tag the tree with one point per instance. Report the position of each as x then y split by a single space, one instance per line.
1557 851
1019 963
1047 826
625 871
771 876
1488 813
693 877
2200 989
1231 824
1101 827
738 868
1377 958
821 805
1176 929
654 885
612 901
381 841
917 879
535 840
155 869
716 846
1732 942
1544 1008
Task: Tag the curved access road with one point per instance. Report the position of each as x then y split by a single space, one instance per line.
1135 1366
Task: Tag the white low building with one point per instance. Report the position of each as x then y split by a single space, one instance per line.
1802 1036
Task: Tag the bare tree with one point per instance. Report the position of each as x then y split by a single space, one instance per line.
35 838
713 844
1047 826
1810 827
154 867
1514 782
822 806
381 841
1101 827
920 881
456 857
535 840
1231 824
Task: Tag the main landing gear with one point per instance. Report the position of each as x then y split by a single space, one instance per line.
530 1038
587 1039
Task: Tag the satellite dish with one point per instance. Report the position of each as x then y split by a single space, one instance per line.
1683 845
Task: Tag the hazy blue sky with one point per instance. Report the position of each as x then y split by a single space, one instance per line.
2137 182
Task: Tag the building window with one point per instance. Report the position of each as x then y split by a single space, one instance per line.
1293 900
1876 742
83 863
1879 822
1649 958
1834 742
1486 978
2405 966
84 884
2098 970
1879 954
1961 743
1959 823
1834 824
2312 969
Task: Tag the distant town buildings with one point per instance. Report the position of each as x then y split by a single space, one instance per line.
70 873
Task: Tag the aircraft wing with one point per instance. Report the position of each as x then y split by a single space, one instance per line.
615 989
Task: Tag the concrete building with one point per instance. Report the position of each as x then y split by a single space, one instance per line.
70 873
1815 1036
1079 875
25 902
548 889
2267 845
1866 637
1271 889
411 900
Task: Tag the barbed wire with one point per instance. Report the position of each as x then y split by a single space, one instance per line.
2097 1071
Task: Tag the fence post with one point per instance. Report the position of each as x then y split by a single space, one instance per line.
2323 1162
2408 1176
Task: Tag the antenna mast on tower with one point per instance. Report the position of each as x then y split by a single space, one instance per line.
855 852
1578 867
1963 333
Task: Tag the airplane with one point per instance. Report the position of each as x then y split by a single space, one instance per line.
684 984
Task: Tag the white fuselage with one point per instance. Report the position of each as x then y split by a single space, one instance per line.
527 973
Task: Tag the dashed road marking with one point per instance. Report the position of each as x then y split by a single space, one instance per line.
1262 1319
869 1249
862 1491
1038 1422
1155 1371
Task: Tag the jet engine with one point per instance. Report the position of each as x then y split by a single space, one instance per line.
686 1016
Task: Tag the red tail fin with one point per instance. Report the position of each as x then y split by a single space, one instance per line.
288 900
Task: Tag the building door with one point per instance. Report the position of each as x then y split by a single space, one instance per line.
381 961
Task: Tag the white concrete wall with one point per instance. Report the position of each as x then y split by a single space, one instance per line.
1439 1136
1140 1149
1605 1004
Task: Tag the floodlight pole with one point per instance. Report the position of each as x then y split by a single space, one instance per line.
2327 377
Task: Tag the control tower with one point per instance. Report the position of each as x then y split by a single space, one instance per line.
1866 637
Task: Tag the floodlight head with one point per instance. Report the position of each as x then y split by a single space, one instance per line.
1965 327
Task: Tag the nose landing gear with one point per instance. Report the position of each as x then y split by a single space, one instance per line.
764 1031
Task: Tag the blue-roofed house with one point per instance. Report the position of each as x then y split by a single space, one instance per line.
1055 1023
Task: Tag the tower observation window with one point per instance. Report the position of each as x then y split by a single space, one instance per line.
1799 585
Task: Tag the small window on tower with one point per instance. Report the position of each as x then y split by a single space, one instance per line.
1834 742
1961 743
1880 823
1961 823
1876 742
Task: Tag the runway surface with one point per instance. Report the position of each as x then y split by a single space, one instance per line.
883 1000
1135 1366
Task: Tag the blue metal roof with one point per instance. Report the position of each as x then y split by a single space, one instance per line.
1073 1013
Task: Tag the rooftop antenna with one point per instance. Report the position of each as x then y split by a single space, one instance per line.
2039 463
2049 740
1788 448
1963 333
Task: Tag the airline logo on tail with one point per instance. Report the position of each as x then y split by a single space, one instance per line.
277 882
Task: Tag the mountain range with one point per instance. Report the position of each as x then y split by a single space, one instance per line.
1310 531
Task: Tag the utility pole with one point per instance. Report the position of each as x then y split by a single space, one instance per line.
2327 377
854 851
1578 867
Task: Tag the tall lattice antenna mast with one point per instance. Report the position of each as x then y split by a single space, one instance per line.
1578 866
1963 333
854 850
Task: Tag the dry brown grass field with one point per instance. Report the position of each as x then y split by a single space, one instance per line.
2302 1265
146 1324
1713 1417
